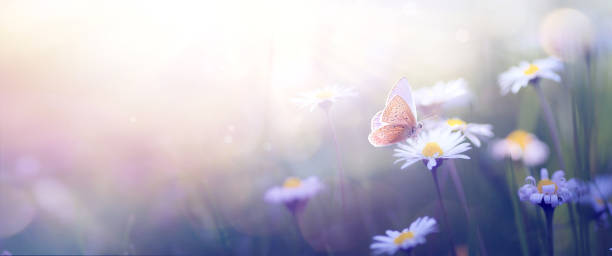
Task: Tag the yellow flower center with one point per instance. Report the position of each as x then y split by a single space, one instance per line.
403 237
599 201
431 149
531 69
324 94
546 182
292 182
520 137
455 122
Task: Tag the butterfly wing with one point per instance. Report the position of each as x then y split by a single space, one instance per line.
402 88
387 135
398 111
376 122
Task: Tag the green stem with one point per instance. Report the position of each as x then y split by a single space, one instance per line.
518 217
300 248
462 198
570 209
550 120
340 173
434 174
549 211
541 230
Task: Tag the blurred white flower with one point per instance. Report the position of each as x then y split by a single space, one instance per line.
552 192
519 76
450 92
471 130
521 145
324 97
406 239
294 193
432 147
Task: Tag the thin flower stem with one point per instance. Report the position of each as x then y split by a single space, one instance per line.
434 174
298 232
466 209
570 209
549 226
555 135
340 173
550 120
578 166
518 219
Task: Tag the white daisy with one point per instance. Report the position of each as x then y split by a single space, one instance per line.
552 192
324 97
471 130
432 97
294 193
432 147
521 145
519 76
406 239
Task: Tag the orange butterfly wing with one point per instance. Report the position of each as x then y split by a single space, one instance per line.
398 111
398 120
387 135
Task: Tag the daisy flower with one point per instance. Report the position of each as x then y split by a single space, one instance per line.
294 193
547 192
596 194
406 239
432 147
471 130
519 76
429 98
521 145
324 97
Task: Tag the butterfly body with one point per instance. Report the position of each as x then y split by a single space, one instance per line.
398 120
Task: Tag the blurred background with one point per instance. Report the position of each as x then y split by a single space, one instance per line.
155 127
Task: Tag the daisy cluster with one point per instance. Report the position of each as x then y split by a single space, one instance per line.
439 139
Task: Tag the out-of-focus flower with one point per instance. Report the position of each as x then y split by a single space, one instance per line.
566 33
432 147
406 239
574 187
521 145
324 97
552 192
442 93
519 76
471 130
596 195
294 193
6 253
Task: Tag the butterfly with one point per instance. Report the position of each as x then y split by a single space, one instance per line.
398 120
